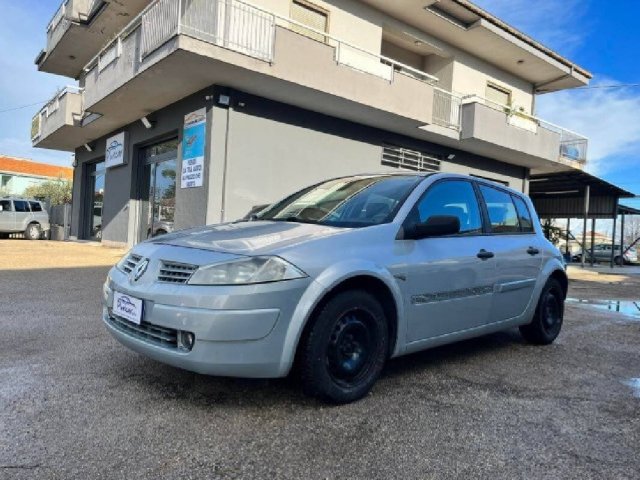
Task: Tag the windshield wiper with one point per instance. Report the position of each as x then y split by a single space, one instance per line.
292 219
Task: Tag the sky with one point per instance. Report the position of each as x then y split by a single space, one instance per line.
599 35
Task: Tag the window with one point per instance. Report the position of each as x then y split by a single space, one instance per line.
21 206
35 206
502 211
6 205
526 224
498 94
454 197
312 16
404 158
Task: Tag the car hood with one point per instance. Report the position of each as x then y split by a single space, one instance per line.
247 238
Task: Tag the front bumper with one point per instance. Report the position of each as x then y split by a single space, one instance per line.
239 331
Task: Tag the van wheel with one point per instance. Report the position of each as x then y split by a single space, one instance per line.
346 348
33 232
547 320
618 260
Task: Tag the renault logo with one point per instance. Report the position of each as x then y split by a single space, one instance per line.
139 270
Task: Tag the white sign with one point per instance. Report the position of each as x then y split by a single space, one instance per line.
193 146
127 307
114 151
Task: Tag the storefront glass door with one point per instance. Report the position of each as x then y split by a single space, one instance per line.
160 188
95 200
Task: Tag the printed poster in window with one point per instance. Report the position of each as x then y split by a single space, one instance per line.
193 144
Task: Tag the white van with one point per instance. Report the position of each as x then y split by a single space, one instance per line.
18 215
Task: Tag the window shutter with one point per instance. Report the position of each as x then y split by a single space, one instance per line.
312 17
498 95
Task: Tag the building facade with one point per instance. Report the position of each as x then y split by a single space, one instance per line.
195 111
18 174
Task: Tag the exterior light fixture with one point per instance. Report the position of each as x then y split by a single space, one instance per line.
147 124
88 147
451 156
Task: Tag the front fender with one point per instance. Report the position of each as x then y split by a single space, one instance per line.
325 283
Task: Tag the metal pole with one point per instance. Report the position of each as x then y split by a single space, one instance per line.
584 225
567 250
593 239
613 238
622 234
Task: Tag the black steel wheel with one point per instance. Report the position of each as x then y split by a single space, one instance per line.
346 348
548 317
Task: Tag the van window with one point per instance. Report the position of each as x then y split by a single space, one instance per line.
6 205
35 206
21 206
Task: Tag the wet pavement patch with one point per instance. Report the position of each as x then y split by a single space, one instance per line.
630 308
634 383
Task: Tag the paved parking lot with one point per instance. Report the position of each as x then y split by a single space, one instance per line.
75 404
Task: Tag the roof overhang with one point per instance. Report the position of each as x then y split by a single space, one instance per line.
467 27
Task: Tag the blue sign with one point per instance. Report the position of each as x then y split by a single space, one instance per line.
193 148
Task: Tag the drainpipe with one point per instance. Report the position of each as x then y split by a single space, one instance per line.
584 225
223 203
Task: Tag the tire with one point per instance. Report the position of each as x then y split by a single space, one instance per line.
159 232
618 260
346 348
549 315
33 232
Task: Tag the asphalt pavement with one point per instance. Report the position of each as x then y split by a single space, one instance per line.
74 404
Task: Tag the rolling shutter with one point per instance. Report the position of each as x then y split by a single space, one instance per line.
308 15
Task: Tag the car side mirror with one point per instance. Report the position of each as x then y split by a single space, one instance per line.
435 226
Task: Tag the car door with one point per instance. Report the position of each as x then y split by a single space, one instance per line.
449 280
517 249
22 214
7 216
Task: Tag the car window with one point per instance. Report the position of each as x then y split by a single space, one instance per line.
21 206
451 197
350 202
35 206
502 212
524 216
6 205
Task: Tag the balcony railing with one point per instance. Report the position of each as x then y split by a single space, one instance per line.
246 29
49 109
446 109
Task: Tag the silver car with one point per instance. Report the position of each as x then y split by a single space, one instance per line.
340 277
19 215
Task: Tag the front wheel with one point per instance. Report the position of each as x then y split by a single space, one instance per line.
33 232
549 315
346 348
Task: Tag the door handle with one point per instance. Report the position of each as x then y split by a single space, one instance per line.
533 251
484 255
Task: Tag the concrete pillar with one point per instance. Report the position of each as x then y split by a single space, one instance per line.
593 239
584 225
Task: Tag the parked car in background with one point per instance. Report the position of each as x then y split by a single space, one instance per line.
602 253
18 215
339 278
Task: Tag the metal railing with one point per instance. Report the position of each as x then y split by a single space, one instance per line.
446 108
573 146
57 26
49 108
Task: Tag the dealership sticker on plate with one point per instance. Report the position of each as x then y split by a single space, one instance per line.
127 307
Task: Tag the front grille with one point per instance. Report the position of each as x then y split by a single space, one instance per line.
131 262
155 334
172 272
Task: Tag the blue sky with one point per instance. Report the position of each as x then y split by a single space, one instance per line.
592 33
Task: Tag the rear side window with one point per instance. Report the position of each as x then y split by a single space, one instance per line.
6 205
502 212
453 197
35 206
524 215
21 206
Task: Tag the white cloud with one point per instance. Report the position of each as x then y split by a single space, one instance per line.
608 117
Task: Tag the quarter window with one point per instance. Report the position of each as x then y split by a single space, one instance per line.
502 212
6 205
526 224
455 198
35 206
21 206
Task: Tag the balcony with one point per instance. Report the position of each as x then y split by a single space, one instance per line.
78 30
60 117
500 132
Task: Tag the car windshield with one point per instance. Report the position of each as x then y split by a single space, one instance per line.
350 202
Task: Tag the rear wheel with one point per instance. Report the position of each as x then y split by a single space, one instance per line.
618 260
346 348
33 232
547 320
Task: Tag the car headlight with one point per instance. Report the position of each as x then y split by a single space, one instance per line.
246 271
